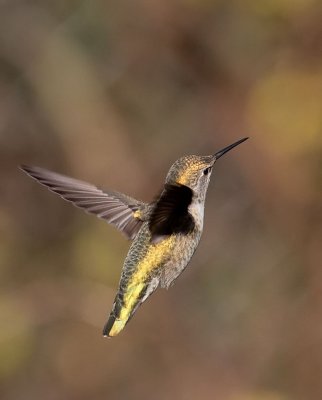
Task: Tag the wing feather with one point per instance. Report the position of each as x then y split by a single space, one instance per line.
115 208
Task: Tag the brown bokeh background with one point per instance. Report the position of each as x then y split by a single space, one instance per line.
113 92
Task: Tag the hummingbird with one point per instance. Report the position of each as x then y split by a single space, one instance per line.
165 233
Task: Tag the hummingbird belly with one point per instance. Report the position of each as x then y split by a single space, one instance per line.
184 249
140 277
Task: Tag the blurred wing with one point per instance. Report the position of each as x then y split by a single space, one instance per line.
116 208
170 213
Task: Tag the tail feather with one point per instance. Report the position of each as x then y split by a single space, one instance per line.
125 305
108 326
115 323
113 326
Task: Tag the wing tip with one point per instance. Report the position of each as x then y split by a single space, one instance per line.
24 168
29 170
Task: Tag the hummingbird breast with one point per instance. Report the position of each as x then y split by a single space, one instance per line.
196 210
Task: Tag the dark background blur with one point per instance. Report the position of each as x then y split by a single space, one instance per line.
113 92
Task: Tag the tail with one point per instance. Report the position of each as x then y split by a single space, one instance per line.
115 323
123 310
113 326
125 305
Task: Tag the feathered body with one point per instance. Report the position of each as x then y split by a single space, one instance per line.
165 233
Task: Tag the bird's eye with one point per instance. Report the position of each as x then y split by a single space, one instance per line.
206 171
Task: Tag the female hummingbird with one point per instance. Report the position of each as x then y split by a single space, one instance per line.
164 233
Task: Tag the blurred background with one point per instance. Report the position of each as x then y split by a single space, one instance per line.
113 92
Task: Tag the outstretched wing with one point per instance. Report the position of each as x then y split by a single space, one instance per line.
116 208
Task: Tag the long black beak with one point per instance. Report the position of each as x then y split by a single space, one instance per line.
228 148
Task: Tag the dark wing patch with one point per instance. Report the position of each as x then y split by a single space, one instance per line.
116 208
170 213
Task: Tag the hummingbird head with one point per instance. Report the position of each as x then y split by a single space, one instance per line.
195 171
